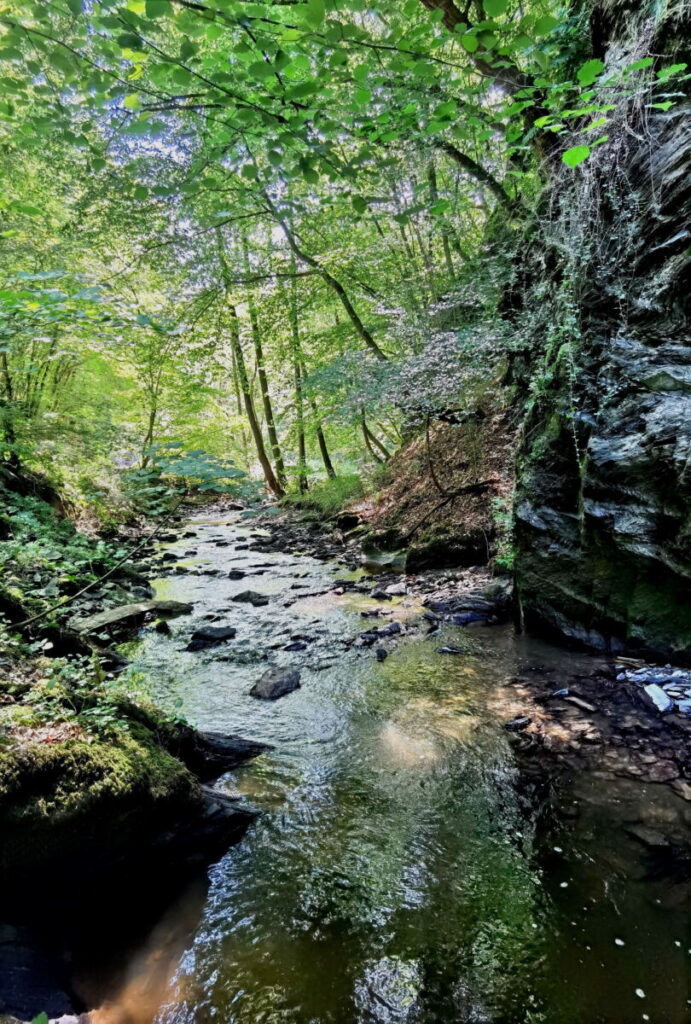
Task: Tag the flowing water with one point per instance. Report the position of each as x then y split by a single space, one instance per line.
403 868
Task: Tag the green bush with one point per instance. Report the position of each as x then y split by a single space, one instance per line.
330 496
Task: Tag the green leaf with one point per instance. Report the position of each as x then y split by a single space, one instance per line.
545 25
662 106
576 155
141 192
469 42
315 13
493 8
588 72
639 65
260 70
129 41
41 1019
157 8
75 6
132 102
362 97
359 203
668 72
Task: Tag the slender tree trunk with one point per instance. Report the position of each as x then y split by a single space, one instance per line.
149 436
332 282
243 379
319 431
238 400
261 373
372 443
434 196
297 371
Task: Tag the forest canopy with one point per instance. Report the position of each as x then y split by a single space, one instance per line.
274 234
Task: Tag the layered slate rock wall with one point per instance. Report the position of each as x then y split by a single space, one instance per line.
603 511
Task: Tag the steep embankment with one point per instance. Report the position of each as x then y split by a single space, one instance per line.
604 464
447 494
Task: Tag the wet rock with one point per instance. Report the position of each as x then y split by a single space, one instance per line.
297 645
465 618
251 597
381 654
210 636
236 574
663 771
128 615
31 982
162 627
222 543
169 557
112 661
655 697
648 836
392 629
167 538
189 533
275 683
211 754
449 649
518 724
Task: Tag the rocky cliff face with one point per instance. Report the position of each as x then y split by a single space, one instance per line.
604 469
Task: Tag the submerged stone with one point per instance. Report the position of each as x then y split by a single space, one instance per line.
252 597
209 636
275 683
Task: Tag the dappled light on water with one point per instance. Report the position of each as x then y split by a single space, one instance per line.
402 871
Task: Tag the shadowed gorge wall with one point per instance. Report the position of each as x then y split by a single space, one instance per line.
603 509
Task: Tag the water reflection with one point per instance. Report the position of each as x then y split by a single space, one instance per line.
401 871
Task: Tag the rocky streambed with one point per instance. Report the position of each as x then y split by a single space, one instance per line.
447 820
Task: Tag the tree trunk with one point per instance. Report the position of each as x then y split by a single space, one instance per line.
321 439
261 373
297 371
243 380
332 282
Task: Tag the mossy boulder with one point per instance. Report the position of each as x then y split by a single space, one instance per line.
97 789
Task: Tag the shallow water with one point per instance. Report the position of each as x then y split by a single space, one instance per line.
403 868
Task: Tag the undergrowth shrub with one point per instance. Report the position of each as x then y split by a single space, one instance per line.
330 496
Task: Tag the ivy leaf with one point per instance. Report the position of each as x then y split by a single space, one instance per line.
576 155
588 72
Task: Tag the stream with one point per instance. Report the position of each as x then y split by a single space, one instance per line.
403 867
